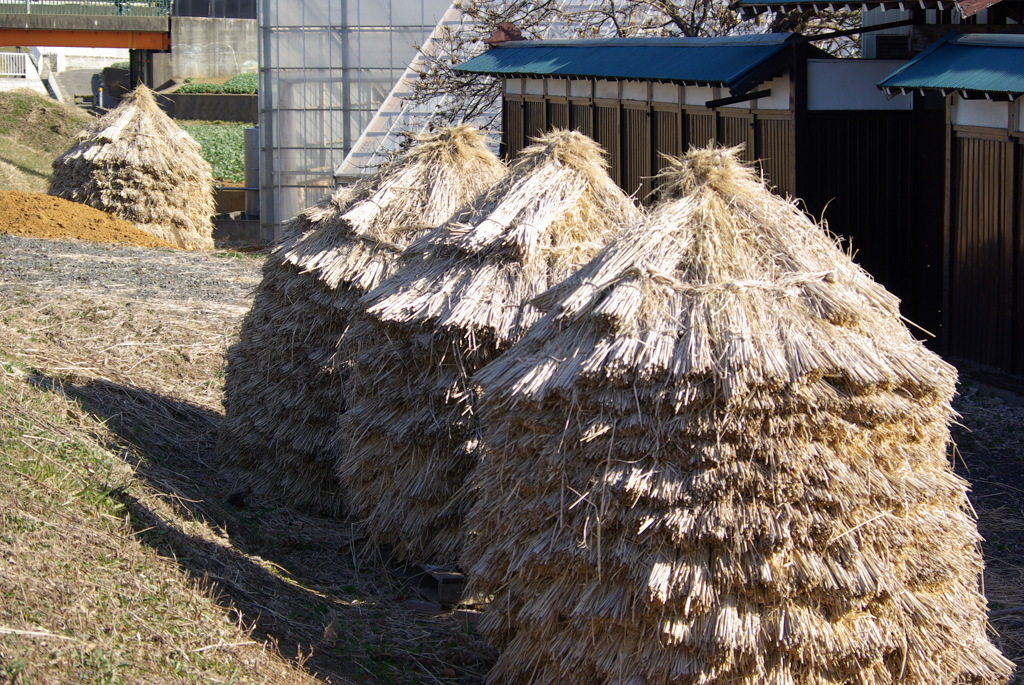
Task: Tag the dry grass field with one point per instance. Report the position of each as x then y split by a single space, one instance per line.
122 559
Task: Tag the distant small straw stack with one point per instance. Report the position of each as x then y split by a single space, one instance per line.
460 298
285 383
138 165
722 458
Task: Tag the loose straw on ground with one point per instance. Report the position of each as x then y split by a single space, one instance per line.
285 383
721 458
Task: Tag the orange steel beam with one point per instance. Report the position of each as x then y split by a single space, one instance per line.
135 40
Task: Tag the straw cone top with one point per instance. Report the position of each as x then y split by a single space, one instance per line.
136 163
286 377
721 458
725 288
474 277
138 133
352 239
460 297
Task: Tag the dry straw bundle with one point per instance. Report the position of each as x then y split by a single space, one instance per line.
285 377
136 164
460 298
721 458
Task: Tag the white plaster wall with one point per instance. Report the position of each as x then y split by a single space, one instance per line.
666 92
698 95
779 99
634 90
850 84
981 113
533 86
557 87
606 89
581 89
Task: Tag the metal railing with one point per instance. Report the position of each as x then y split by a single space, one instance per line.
127 8
13 65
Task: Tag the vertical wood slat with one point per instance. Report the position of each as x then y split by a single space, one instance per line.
862 177
636 152
772 145
981 305
535 118
699 127
666 138
1017 186
558 115
581 117
737 128
512 123
607 134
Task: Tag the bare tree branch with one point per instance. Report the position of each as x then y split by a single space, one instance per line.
472 97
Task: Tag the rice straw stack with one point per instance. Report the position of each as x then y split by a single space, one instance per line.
285 381
459 299
722 458
138 165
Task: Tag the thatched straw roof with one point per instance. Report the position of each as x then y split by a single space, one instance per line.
460 298
722 458
136 164
285 377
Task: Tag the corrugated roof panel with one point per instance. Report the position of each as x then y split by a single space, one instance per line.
683 60
748 8
973 62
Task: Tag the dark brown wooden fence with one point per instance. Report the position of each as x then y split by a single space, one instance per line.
953 252
985 248
872 178
512 121
636 135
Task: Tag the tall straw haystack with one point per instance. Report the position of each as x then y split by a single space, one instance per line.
460 298
721 458
138 165
285 380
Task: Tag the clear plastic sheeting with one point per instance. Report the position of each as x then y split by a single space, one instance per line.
326 66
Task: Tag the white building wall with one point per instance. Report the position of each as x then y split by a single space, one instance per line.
851 84
985 113
646 91
325 68
63 59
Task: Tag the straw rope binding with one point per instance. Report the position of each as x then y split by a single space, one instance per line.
286 377
721 458
461 296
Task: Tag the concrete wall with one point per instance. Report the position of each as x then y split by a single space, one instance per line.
207 47
62 59
211 107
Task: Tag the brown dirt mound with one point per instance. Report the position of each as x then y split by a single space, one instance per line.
34 215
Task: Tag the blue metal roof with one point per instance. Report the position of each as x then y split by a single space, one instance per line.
730 60
967 62
748 8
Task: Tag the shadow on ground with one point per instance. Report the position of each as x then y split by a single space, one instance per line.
299 580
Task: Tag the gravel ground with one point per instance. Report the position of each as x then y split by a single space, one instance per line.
94 269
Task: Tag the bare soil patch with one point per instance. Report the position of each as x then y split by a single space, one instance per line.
34 215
